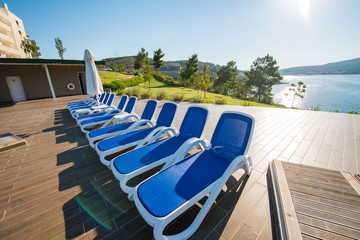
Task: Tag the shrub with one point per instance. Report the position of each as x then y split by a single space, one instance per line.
196 99
317 108
128 92
116 85
245 103
220 101
107 85
120 92
146 95
135 92
178 97
161 95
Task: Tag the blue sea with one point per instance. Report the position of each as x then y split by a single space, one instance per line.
328 92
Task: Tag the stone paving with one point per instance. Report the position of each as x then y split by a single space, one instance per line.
56 188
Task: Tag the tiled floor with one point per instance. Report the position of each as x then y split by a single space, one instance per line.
56 188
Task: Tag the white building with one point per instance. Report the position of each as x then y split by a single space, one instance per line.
11 33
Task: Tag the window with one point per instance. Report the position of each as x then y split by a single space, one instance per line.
17 23
20 33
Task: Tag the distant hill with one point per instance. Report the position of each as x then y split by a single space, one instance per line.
129 62
344 67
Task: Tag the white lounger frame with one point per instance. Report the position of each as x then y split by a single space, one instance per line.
213 190
133 127
124 178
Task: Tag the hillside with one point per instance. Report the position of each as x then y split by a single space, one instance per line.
171 67
344 67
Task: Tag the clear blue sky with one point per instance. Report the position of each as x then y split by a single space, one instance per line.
295 32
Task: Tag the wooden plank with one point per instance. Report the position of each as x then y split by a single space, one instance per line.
328 217
324 194
329 227
319 206
346 192
353 182
346 188
287 208
326 201
318 233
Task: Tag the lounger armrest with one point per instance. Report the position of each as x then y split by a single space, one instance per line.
127 117
138 124
149 137
244 162
163 131
185 148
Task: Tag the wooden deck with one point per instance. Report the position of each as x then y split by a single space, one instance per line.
326 205
55 188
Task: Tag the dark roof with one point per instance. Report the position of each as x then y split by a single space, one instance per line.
33 61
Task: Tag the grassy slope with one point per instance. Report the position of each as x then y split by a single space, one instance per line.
108 77
156 86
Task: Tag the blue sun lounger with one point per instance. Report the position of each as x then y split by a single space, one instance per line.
96 108
108 118
133 138
126 123
163 197
156 153
88 102
104 101
119 109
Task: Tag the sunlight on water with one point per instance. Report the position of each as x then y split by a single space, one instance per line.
329 92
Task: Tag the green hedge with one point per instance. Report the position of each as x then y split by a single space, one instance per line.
122 84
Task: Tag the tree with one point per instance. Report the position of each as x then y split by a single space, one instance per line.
298 91
196 81
140 59
242 89
226 77
191 67
263 75
205 84
59 46
29 47
121 67
148 72
157 59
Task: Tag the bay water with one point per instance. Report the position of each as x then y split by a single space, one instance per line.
327 92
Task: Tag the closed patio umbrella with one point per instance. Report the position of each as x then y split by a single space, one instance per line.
93 82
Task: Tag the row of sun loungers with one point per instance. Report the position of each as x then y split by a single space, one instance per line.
190 166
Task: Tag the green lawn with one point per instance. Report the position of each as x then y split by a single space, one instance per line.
108 76
188 93
156 86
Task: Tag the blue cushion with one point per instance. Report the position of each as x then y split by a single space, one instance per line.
149 110
166 115
120 140
168 190
231 135
96 119
148 154
110 129
91 115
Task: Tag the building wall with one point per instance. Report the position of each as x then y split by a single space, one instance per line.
35 82
11 33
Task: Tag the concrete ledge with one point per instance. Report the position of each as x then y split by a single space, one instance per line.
9 141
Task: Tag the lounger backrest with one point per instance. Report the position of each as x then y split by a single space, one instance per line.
107 95
130 105
194 122
102 96
167 114
111 99
122 102
149 109
232 135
